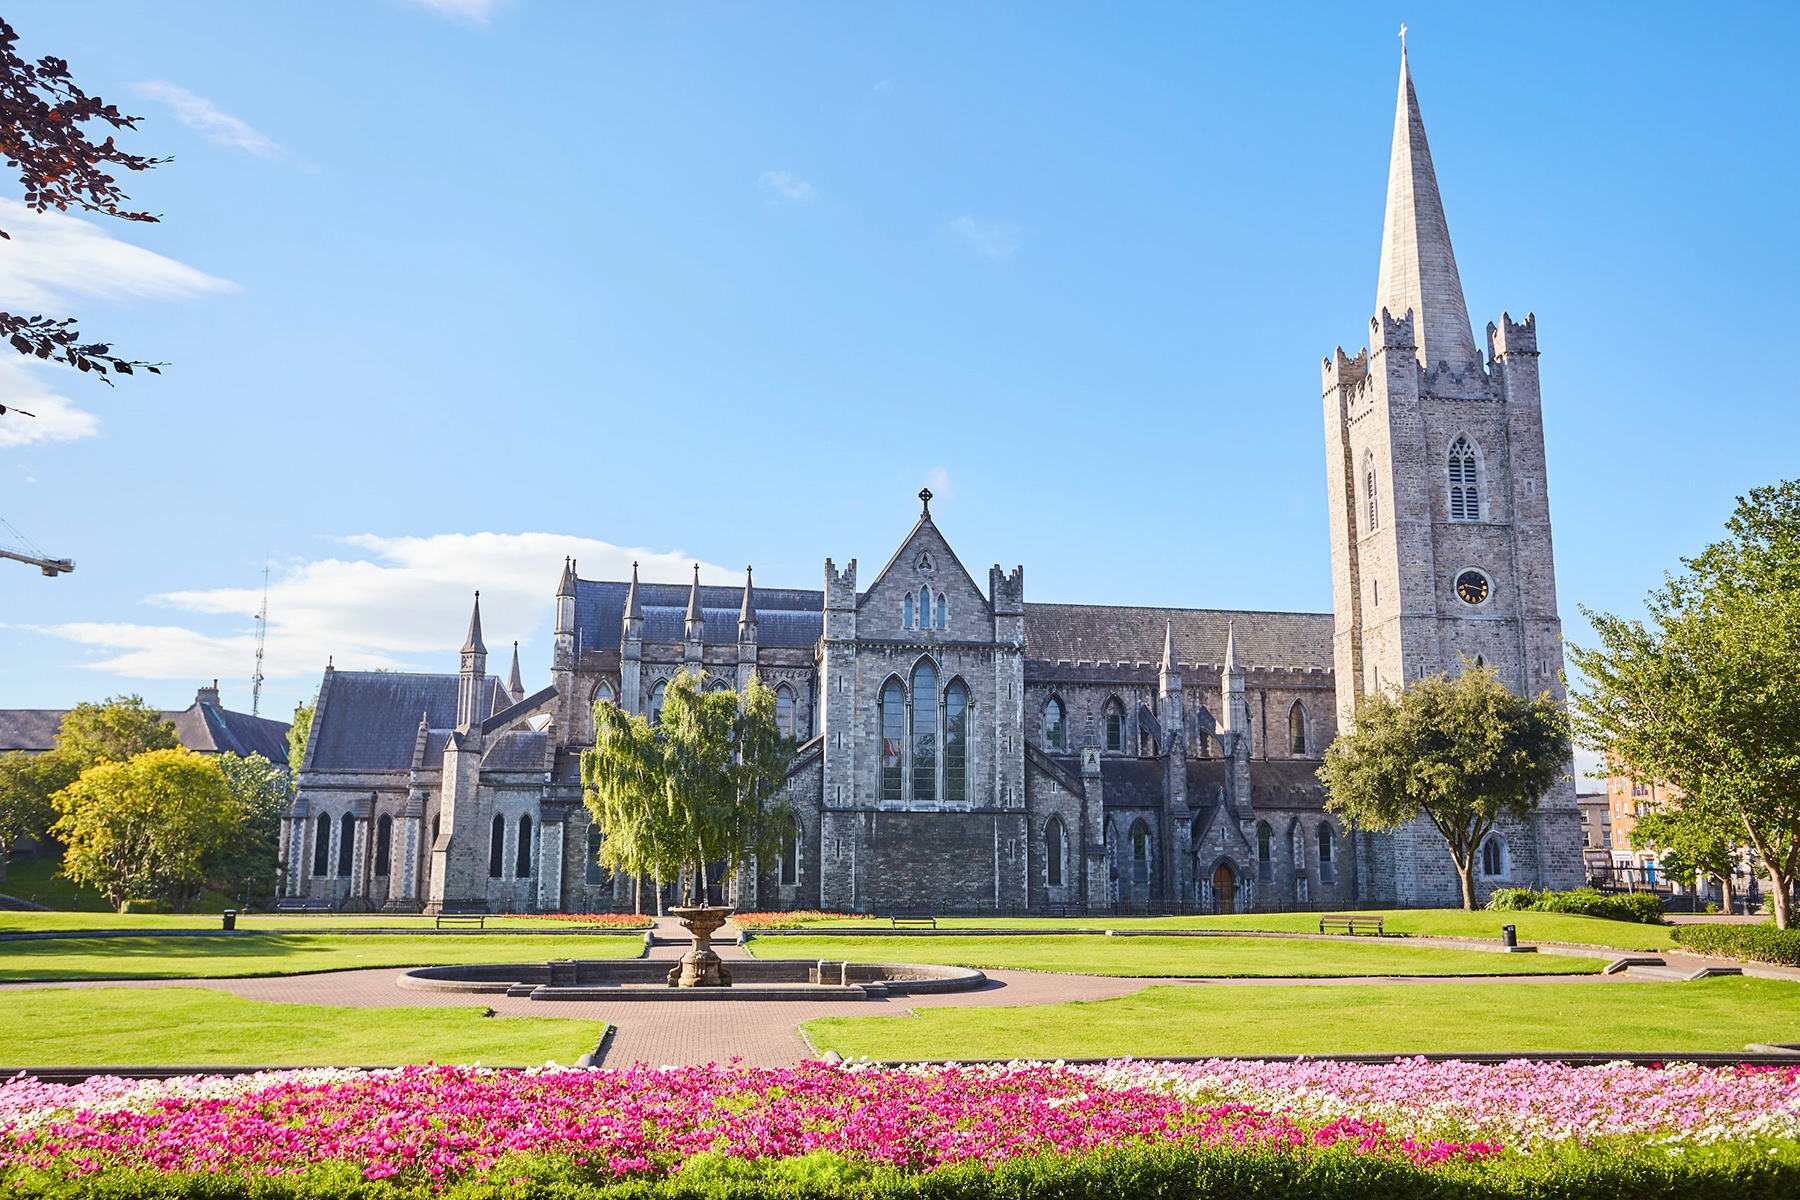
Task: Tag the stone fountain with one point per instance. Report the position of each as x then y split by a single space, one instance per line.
700 967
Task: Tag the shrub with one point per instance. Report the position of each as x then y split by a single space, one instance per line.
1642 908
1757 943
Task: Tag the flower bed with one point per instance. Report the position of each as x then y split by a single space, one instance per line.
791 920
600 920
1216 1128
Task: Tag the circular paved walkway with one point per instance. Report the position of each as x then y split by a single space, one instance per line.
760 1032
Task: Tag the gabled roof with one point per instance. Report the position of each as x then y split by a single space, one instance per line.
925 531
1095 632
369 720
791 617
203 728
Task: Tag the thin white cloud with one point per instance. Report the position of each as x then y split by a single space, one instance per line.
197 112
938 480
53 256
56 418
787 185
474 12
997 242
403 604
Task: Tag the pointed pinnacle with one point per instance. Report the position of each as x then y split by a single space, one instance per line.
473 644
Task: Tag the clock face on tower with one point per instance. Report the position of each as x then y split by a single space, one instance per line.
1472 587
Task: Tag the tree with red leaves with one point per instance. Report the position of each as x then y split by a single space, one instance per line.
41 135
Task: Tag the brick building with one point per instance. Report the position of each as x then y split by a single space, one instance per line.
965 748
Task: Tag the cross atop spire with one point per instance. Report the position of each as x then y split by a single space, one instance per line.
472 645
634 608
695 612
747 613
1418 267
567 586
925 499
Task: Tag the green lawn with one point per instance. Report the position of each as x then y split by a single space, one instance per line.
1434 922
1176 956
182 1026
35 921
176 957
1712 1014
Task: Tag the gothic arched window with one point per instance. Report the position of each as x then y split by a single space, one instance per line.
595 839
1265 852
790 853
322 846
924 733
893 738
1297 730
603 691
1493 856
522 858
497 847
1327 863
940 615
1053 852
656 701
1053 724
346 842
1369 496
1140 853
1115 725
956 743
924 607
906 612
784 710
1465 491
1297 845
384 834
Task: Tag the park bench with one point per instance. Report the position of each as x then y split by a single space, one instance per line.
912 920
463 916
1064 908
301 904
1350 924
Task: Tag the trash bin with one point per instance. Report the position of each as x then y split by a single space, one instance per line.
229 916
1508 935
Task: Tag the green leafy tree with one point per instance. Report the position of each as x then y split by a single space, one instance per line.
703 785
260 792
1695 840
113 730
1463 752
1705 694
297 734
145 828
26 784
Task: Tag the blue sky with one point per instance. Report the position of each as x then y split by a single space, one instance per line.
449 290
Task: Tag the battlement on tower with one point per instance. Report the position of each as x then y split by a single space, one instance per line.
840 586
1510 338
1388 332
1007 591
1342 371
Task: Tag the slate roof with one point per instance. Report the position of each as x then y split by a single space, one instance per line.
1091 632
370 720
516 750
791 617
1274 783
203 728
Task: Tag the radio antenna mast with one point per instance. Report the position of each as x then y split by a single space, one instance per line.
262 631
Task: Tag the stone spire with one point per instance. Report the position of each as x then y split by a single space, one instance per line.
747 613
1418 268
694 652
696 613
472 645
567 586
1231 687
1231 662
471 679
634 608
1168 658
515 687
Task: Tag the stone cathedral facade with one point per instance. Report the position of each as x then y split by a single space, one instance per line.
963 748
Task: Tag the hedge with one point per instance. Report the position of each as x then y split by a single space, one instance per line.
1756 943
1640 907
1768 1171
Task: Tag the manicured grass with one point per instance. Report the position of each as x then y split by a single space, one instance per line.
59 921
1424 922
176 957
1176 956
193 1026
1712 1014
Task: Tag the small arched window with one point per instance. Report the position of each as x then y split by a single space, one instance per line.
1371 507
1297 730
522 857
595 839
956 743
924 608
1493 857
906 615
1465 491
384 834
1053 724
924 733
603 692
1297 846
784 710
346 843
790 853
1327 860
893 738
497 847
1265 852
322 846
940 612
719 685
1140 853
1115 725
656 701
1053 852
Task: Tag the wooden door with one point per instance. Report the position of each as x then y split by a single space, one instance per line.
1224 889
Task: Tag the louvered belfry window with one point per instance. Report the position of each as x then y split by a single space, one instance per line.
1465 493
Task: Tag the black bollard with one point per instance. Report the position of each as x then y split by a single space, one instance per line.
229 917
1509 936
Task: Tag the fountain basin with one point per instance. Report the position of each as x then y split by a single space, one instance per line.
647 979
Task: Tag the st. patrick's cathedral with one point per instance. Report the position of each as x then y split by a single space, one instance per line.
966 749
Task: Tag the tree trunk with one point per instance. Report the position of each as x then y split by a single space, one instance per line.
1778 894
1727 894
1465 875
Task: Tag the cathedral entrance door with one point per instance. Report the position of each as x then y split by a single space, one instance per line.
1224 890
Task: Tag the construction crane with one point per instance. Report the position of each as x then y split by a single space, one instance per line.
27 551
262 630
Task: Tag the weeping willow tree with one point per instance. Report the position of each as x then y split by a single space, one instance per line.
702 785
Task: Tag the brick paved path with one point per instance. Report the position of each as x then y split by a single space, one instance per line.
761 1033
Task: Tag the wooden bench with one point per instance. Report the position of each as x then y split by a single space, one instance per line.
1351 924
301 904
911 920
463 917
1064 908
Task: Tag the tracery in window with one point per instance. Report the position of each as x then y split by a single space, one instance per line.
1115 725
656 701
924 733
1053 724
893 739
1465 491
784 710
956 743
1493 856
